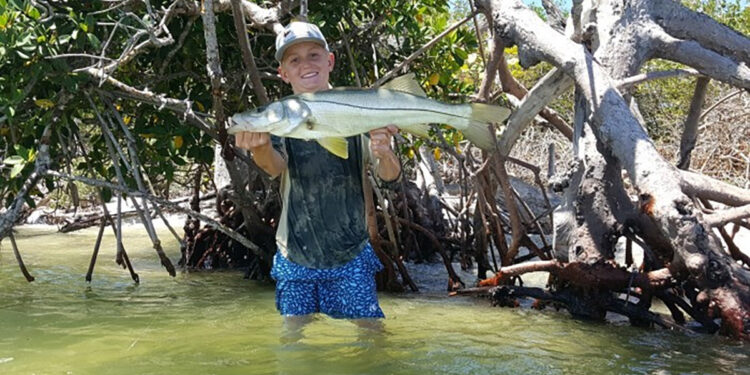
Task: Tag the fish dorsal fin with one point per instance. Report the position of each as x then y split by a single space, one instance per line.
335 145
405 83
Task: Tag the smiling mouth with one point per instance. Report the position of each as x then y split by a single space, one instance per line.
310 75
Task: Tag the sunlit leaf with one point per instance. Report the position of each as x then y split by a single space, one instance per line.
16 170
14 160
34 13
434 79
44 103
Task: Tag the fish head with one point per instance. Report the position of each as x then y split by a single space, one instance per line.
297 113
266 119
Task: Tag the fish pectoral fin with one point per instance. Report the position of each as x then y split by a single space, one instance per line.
420 130
336 146
405 83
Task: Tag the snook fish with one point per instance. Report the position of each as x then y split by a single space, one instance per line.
330 116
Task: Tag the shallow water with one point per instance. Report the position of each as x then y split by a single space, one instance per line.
218 323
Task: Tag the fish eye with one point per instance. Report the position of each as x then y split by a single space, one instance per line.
260 109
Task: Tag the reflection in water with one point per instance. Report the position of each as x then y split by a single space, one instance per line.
361 350
218 323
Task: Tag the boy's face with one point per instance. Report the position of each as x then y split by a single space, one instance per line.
306 66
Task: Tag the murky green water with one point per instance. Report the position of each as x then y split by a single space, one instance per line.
218 323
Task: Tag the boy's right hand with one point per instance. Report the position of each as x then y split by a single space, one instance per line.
252 141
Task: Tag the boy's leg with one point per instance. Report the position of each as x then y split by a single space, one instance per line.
374 325
293 327
352 297
296 301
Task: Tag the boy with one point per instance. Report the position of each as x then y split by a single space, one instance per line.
324 261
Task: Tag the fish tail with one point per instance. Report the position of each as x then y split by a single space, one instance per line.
479 131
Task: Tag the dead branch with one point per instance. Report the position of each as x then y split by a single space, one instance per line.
517 229
629 83
706 61
247 54
98 243
555 17
455 280
41 165
697 255
497 50
727 216
552 85
180 42
181 107
134 193
701 186
718 102
690 133
679 21
17 253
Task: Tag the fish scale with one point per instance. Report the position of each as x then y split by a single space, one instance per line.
329 116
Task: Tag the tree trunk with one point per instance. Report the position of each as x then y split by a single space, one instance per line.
617 38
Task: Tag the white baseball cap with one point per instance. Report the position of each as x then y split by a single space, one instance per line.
298 32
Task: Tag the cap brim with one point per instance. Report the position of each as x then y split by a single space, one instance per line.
280 52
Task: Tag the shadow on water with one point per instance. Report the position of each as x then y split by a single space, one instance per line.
218 323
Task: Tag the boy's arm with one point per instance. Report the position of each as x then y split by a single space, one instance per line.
263 152
388 166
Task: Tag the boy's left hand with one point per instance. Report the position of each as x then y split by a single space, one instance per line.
380 141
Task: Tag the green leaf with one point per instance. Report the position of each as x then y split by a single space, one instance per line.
14 160
3 20
34 13
461 53
11 111
29 48
106 194
94 41
20 150
22 55
25 40
90 23
16 170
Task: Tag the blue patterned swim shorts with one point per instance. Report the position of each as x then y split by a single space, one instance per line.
346 291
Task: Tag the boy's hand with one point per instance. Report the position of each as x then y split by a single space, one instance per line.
380 141
252 141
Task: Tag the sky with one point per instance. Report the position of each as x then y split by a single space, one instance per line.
566 3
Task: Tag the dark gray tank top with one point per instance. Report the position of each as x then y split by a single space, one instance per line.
322 222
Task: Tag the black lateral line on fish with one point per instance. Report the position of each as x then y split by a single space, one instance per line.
386 109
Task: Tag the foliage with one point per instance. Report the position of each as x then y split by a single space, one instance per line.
43 49
42 56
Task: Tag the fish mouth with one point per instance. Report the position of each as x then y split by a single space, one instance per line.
309 75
